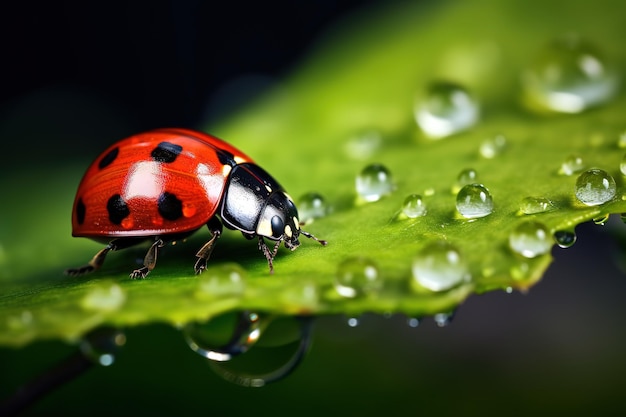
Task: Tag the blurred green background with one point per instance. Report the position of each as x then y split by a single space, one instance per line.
82 75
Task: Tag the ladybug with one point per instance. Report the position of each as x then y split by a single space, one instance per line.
165 184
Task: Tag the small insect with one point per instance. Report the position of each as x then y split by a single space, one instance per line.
165 184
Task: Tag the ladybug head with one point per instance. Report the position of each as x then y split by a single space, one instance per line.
279 220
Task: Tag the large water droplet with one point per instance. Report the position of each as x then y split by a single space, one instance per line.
226 280
595 187
276 355
357 277
104 297
446 109
569 76
439 266
101 345
573 164
565 238
311 206
363 145
473 201
414 206
530 239
534 205
492 147
374 182
224 336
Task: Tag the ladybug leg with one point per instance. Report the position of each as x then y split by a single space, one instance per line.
149 262
266 251
94 264
215 227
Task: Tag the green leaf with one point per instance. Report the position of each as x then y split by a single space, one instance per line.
362 78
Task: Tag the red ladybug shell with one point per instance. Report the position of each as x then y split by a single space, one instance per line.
165 181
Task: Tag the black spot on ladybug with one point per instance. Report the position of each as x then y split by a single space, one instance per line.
108 158
226 158
80 211
117 208
166 152
278 226
170 207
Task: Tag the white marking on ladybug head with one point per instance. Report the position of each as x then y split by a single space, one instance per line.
288 231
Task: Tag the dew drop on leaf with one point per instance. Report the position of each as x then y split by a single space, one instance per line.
530 239
414 206
565 238
439 266
374 182
465 177
492 147
357 277
569 76
221 281
573 164
595 187
311 206
446 108
534 205
102 344
473 201
363 145
104 297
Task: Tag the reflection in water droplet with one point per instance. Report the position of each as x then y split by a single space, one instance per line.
565 238
443 319
534 205
446 109
221 281
601 220
573 164
412 322
277 354
225 336
439 266
101 345
569 76
492 147
473 201
530 239
374 182
414 206
311 206
104 297
363 145
357 277
595 187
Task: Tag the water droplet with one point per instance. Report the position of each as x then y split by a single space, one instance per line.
565 238
277 354
530 239
101 345
443 319
595 187
104 297
439 266
520 271
534 205
466 177
414 206
224 336
446 109
363 145
622 165
311 206
601 220
621 140
374 182
412 322
573 164
357 277
492 147
473 201
569 76
221 281
20 321
353 321
508 290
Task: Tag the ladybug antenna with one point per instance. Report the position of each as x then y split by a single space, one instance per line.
310 236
